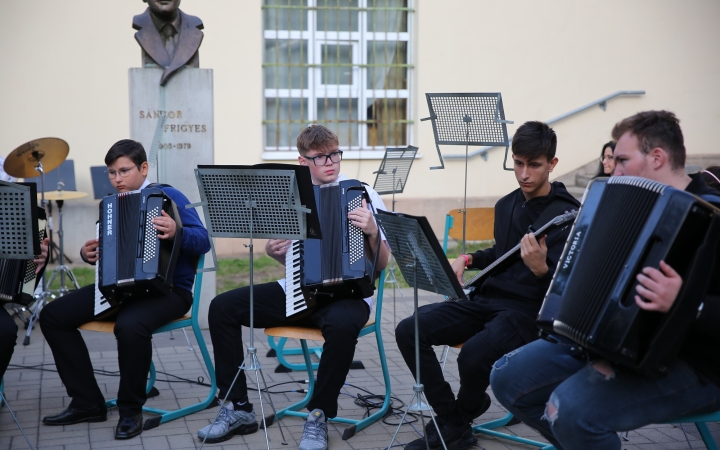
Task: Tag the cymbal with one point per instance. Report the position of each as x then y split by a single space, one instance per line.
63 195
22 161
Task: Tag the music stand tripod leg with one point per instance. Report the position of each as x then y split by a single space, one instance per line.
418 388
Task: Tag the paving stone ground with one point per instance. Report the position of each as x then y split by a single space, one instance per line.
34 390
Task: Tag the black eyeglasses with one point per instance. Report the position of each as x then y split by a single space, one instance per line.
122 172
334 157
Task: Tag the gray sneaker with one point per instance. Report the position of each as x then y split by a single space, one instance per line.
314 435
228 424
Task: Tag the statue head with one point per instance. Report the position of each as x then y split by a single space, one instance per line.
164 9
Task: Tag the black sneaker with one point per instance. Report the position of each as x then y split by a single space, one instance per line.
456 437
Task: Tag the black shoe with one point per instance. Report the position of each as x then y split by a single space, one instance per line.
456 437
72 415
129 427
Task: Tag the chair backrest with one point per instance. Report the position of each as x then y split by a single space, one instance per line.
480 224
378 300
197 288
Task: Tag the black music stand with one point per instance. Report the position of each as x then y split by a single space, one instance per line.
18 236
19 227
263 201
468 119
424 266
391 179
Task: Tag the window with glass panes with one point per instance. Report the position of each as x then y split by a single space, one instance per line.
344 64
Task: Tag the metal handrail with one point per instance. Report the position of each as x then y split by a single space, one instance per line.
602 103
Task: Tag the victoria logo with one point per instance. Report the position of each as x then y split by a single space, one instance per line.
571 251
108 226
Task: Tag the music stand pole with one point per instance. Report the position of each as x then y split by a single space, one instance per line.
244 188
40 303
418 388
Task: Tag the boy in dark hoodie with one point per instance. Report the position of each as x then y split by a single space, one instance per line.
500 314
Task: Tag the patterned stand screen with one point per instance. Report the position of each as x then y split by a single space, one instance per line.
398 160
407 242
226 193
16 226
450 113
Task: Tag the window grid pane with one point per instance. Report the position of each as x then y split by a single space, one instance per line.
329 75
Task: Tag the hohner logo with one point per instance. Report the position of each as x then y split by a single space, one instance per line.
108 226
571 252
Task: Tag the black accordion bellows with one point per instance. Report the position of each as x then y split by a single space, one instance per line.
133 261
626 224
339 265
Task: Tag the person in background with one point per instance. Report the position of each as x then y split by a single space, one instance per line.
607 162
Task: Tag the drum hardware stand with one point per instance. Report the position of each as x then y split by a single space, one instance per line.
62 269
40 302
396 162
413 243
53 249
283 217
468 119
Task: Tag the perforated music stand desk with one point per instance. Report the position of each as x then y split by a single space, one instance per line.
262 201
468 119
19 225
424 266
391 179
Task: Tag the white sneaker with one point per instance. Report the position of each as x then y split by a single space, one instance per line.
314 435
229 423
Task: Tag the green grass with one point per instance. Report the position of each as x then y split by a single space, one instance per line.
234 273
83 275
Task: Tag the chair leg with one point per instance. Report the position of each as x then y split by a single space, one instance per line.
166 416
489 427
281 352
706 435
371 419
292 410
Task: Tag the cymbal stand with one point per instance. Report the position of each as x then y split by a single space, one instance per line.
39 302
62 269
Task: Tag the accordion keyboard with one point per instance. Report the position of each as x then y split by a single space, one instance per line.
294 299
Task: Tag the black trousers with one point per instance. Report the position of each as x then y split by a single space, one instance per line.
8 337
134 324
340 323
487 329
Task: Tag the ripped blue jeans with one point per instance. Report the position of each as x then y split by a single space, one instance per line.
581 405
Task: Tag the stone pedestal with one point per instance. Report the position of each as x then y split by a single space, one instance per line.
185 138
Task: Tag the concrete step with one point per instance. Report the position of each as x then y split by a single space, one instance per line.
576 191
583 180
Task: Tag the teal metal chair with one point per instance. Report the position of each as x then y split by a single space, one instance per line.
303 334
700 422
278 350
191 320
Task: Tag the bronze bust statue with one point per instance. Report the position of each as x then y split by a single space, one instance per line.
169 38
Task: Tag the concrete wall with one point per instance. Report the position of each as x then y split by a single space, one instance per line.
63 72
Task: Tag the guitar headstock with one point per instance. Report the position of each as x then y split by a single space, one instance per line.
567 217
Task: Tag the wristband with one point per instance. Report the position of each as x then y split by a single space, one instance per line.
467 260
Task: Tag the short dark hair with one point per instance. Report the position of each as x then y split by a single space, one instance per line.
711 176
655 129
316 137
534 140
129 148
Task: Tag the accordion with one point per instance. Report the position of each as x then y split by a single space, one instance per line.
19 280
339 265
133 262
624 225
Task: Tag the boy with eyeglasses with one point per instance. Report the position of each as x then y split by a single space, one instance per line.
339 321
135 321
